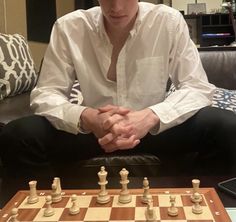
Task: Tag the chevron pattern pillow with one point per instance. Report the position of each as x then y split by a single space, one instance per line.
17 69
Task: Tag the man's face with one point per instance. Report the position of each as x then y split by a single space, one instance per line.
119 13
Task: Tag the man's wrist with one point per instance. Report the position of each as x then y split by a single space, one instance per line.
85 119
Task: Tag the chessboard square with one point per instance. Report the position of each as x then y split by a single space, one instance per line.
66 216
39 204
27 214
40 216
164 200
165 216
116 202
205 215
139 202
124 213
140 213
82 200
97 214
94 203
186 199
61 204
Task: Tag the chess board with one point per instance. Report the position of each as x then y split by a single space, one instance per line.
90 210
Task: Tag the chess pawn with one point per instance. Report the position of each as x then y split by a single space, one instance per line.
48 211
124 196
33 197
197 208
146 195
14 214
150 212
103 196
196 184
172 210
75 207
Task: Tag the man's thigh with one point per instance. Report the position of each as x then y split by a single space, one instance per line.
210 129
33 139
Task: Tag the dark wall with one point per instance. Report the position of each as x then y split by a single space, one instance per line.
85 4
41 15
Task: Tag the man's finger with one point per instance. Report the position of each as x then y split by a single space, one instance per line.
121 143
114 110
108 138
111 121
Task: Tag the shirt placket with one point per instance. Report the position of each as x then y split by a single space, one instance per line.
121 77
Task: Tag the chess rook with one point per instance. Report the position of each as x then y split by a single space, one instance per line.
124 196
103 196
33 197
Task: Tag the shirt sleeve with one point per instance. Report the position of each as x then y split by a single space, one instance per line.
193 91
50 97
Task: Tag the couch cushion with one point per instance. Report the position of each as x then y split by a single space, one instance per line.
17 68
14 107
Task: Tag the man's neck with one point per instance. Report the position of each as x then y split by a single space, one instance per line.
118 35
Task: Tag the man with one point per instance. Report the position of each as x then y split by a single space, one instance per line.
122 54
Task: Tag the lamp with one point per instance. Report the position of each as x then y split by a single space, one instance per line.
228 6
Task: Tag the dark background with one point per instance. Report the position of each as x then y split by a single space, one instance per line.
41 16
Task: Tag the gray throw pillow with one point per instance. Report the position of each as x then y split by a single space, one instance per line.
17 69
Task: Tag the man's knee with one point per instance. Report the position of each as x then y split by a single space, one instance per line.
23 137
26 127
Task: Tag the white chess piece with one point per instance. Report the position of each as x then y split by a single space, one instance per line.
196 184
150 212
146 195
56 190
197 208
75 207
56 194
48 211
124 196
33 197
14 214
57 181
172 210
103 196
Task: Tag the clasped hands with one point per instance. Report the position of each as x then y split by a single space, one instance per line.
117 127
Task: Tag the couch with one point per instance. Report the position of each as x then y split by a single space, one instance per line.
220 66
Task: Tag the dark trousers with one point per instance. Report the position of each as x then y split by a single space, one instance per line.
32 143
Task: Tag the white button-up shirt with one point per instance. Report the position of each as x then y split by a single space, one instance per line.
157 48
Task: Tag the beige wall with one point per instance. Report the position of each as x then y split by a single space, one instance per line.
210 4
182 4
15 13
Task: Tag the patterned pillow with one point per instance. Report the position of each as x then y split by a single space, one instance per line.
76 95
225 99
17 68
222 98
